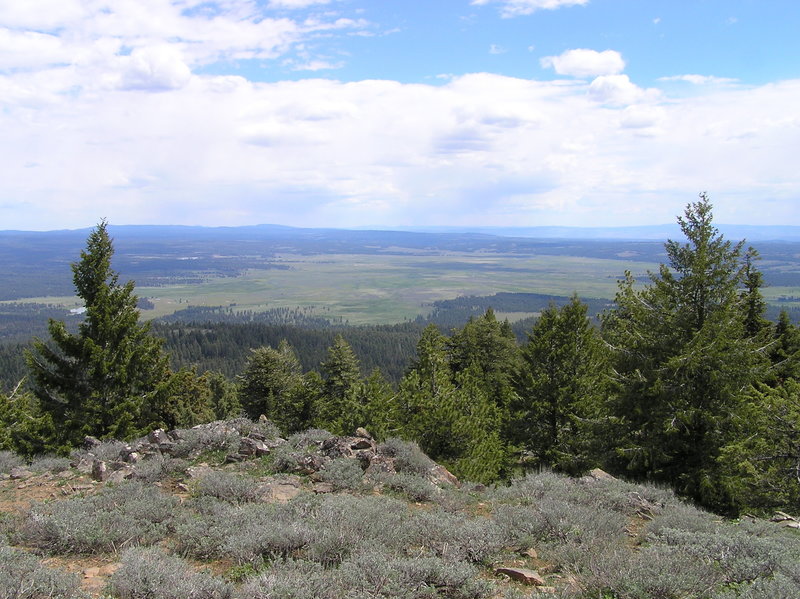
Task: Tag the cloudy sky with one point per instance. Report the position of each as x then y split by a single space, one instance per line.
397 112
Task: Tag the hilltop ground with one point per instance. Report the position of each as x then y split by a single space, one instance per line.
230 509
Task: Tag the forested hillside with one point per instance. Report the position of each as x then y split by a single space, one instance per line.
683 381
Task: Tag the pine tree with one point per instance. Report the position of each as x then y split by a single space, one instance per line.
272 384
562 382
338 409
98 381
683 359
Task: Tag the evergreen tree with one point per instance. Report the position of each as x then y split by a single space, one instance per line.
561 385
272 384
24 428
762 461
98 381
451 415
338 410
683 359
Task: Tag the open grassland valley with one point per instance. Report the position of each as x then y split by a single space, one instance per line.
231 509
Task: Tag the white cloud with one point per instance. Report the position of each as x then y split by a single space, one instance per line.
515 8
83 136
699 79
617 90
582 62
294 4
155 68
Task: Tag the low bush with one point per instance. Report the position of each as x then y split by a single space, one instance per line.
123 516
149 573
9 460
49 463
411 486
230 487
343 474
408 457
22 576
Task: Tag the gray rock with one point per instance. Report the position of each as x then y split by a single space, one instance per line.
523 575
19 472
100 471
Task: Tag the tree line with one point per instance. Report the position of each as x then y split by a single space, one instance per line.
683 382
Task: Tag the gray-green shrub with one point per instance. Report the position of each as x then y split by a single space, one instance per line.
22 576
149 573
126 515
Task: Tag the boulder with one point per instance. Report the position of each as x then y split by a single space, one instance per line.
19 472
441 476
522 575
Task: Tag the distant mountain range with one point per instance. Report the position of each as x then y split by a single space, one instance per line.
640 233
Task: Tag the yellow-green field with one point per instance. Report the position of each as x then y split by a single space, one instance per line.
375 289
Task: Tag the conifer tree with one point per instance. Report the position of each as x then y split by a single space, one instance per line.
561 384
272 384
98 380
683 359
338 409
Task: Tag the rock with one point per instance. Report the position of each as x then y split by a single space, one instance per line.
522 575
320 488
19 472
279 491
790 524
199 471
439 475
120 475
249 447
362 444
159 437
263 419
362 433
336 447
133 457
531 553
597 474
380 464
781 517
100 470
90 442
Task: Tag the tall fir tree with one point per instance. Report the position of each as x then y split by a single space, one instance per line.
683 359
273 384
101 379
338 409
561 386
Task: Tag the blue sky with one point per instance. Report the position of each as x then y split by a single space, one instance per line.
397 112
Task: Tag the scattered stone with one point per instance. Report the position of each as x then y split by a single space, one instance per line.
320 488
100 471
199 471
159 436
362 444
19 472
522 575
279 491
90 442
439 475
249 447
362 433
790 524
597 475
781 517
121 474
531 553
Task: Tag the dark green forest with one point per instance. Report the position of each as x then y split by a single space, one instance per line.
685 379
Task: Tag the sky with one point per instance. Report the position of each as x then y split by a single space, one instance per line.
353 113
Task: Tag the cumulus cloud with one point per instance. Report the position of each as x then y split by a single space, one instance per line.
582 63
515 8
155 68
